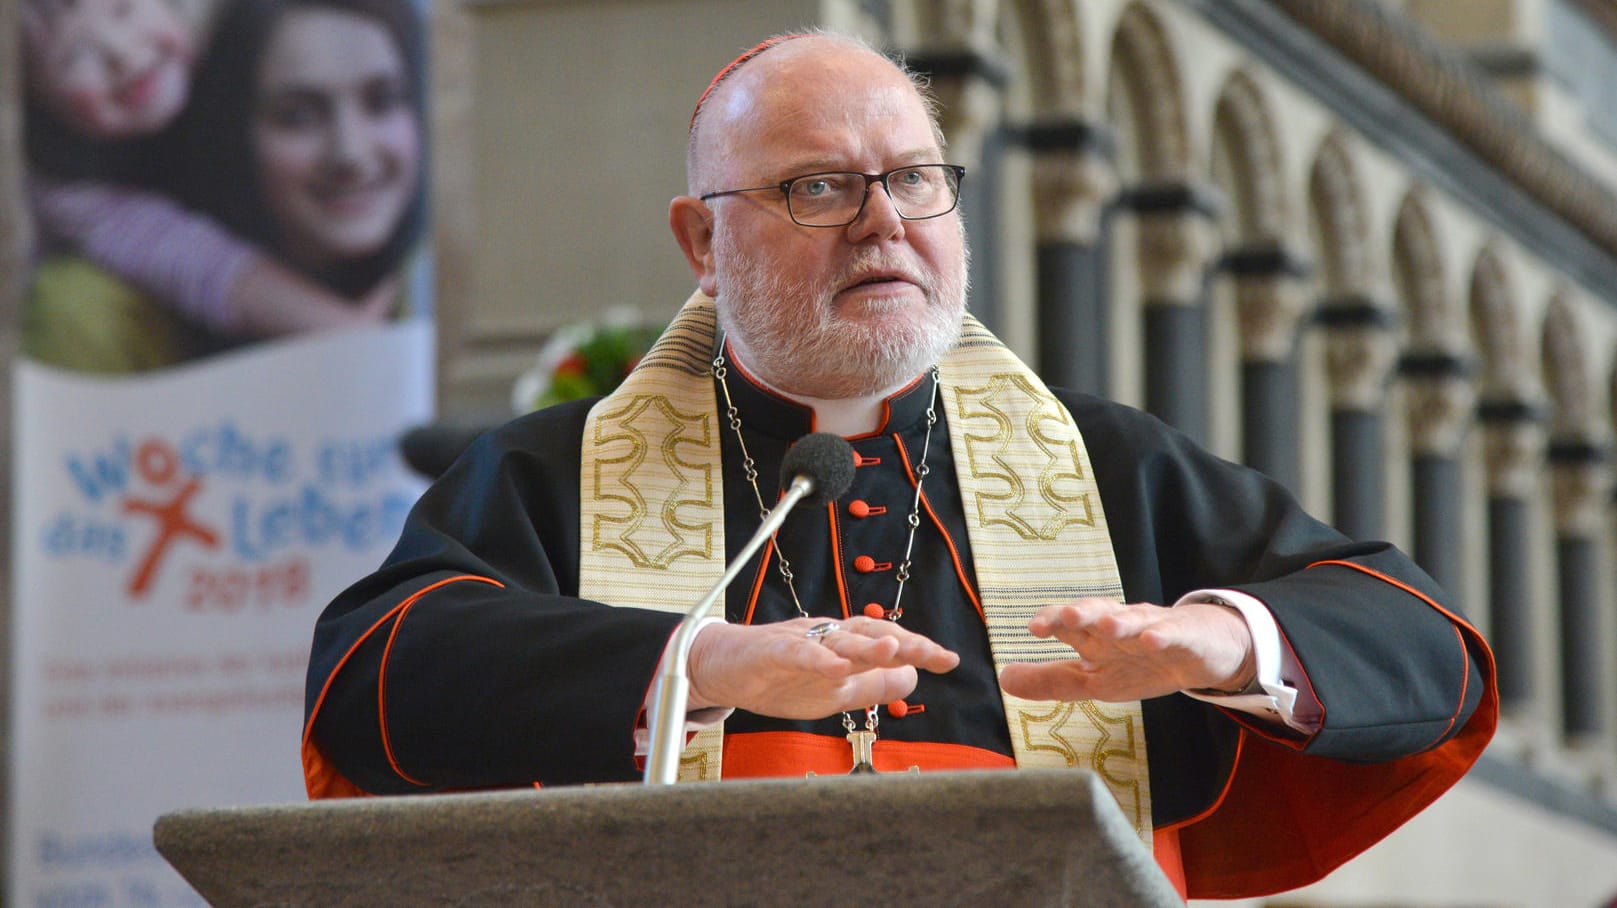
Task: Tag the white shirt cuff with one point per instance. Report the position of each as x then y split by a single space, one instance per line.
695 719
1273 695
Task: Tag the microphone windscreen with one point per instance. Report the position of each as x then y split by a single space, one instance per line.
824 458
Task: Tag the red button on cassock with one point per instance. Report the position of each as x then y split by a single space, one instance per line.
900 708
865 564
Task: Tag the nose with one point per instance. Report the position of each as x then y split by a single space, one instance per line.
124 52
350 136
879 218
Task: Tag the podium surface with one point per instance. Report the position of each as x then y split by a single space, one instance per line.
1002 838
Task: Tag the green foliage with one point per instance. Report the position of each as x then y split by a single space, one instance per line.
589 360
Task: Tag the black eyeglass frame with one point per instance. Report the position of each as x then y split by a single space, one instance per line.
784 187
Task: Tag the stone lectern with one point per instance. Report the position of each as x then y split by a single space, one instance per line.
1000 839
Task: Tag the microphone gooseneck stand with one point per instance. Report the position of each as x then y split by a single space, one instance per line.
820 468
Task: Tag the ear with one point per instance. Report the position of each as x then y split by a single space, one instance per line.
692 223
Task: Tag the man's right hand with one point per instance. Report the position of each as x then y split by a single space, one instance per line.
776 670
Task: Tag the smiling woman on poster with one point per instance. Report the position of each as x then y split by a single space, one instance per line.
326 168
304 138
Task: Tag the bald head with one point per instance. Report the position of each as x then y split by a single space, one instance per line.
837 310
769 77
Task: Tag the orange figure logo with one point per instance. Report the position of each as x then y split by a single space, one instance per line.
159 466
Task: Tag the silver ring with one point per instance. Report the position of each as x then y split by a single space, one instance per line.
819 631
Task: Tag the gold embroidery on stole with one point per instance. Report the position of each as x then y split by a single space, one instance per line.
651 502
1038 536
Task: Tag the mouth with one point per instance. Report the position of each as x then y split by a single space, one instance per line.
138 90
881 280
349 199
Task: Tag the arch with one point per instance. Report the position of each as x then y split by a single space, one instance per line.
1147 71
1054 63
1573 409
1497 328
1418 270
957 41
1244 131
943 23
1337 201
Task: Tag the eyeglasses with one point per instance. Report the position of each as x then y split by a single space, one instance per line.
836 199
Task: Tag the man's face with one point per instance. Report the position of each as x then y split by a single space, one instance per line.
831 312
110 69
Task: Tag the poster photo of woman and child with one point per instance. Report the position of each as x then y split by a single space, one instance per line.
204 175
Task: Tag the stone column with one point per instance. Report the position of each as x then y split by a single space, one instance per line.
1177 239
1270 302
1073 181
1580 474
1513 445
968 82
1360 352
1442 404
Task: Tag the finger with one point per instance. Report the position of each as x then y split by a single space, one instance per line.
884 644
866 653
1067 680
1045 621
877 627
922 652
862 651
1130 621
936 659
1069 617
810 654
840 653
882 685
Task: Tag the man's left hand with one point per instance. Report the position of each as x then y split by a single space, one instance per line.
1137 651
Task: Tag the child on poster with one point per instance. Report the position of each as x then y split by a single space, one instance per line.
128 279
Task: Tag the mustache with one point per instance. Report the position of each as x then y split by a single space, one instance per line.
869 262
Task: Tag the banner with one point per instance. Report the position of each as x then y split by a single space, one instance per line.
176 537
226 330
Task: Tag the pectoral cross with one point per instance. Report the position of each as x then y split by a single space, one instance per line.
861 742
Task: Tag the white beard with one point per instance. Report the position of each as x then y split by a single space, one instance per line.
786 331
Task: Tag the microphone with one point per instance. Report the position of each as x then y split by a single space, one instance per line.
818 469
823 462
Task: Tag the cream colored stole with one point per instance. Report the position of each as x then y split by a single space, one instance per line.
652 526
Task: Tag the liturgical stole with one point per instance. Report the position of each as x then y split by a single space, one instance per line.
652 526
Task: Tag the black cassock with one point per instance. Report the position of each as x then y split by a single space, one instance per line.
493 673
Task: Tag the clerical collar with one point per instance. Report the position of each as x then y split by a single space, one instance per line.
776 413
